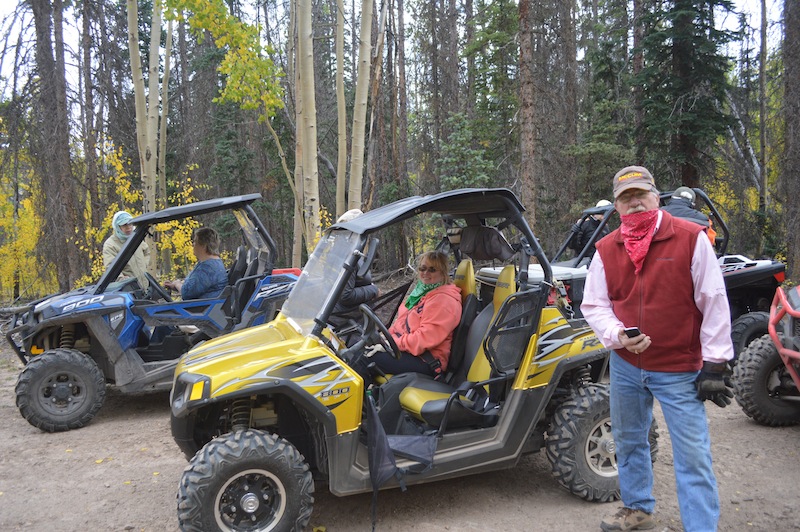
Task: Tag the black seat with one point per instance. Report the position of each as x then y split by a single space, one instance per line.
239 266
464 278
243 289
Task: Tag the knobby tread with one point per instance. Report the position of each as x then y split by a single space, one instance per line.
750 376
566 441
748 327
57 360
230 454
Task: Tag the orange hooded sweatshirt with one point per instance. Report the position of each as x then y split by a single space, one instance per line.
429 325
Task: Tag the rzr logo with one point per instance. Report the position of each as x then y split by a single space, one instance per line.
591 341
734 267
267 290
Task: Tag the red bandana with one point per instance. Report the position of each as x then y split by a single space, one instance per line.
637 232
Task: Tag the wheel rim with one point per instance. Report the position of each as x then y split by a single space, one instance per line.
62 393
252 500
600 450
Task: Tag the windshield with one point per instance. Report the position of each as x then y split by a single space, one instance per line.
252 235
319 277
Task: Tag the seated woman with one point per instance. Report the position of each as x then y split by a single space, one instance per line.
209 277
423 329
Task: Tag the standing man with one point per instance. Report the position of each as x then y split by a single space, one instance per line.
657 274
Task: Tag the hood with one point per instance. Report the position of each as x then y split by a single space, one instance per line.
76 300
449 290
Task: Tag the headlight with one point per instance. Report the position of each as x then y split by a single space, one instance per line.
189 388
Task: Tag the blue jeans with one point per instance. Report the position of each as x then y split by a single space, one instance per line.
632 393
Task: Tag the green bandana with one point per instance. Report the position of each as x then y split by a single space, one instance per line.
420 290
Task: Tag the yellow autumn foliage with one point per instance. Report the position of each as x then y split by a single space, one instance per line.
251 78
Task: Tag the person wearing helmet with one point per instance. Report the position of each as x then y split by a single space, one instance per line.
583 230
121 230
358 290
682 205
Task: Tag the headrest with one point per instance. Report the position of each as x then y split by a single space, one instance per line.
484 243
464 278
506 285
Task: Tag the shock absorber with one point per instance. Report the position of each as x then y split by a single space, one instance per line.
67 340
240 414
581 377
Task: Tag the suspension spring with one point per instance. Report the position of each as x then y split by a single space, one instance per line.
240 414
581 377
67 340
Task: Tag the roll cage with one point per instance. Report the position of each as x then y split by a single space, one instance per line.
473 207
253 229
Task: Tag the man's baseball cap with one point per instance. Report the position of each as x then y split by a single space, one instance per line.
633 177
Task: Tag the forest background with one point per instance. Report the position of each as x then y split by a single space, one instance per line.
118 104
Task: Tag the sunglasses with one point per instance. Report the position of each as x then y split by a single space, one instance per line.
423 269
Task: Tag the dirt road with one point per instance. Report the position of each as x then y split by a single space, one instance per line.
121 472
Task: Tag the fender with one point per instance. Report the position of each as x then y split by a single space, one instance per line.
184 412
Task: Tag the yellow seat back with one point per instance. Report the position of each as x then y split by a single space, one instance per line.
464 278
506 285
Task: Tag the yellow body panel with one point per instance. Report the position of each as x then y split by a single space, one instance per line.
263 357
555 340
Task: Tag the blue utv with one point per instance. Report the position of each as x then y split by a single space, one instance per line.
73 345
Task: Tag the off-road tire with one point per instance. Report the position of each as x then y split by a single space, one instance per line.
746 328
756 385
580 446
60 390
244 467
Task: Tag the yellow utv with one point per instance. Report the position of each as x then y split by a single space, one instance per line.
265 413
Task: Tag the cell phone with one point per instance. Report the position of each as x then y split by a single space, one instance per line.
632 332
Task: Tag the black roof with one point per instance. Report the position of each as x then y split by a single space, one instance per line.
481 202
195 209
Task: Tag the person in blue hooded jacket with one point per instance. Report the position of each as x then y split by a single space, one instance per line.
209 277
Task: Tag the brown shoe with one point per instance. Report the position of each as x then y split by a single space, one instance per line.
628 519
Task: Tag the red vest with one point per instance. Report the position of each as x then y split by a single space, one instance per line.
660 299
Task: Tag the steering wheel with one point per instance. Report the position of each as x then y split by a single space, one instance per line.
373 328
156 289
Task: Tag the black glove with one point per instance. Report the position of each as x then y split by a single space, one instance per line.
712 384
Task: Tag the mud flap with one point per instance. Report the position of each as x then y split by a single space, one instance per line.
381 451
419 448
382 466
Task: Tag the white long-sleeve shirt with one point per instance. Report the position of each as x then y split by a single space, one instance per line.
709 296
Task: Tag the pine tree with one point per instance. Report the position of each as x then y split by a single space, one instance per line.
683 90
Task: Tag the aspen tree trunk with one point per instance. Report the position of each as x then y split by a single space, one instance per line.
308 127
161 192
341 111
299 232
360 106
140 102
147 107
150 173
